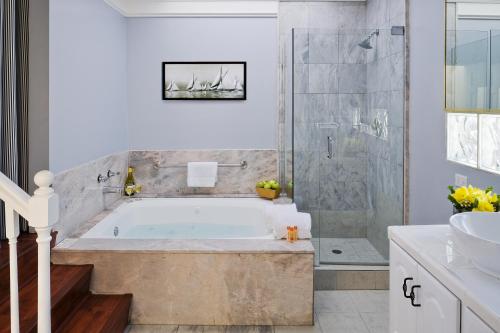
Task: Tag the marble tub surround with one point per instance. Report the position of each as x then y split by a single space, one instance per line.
171 181
80 195
185 245
260 286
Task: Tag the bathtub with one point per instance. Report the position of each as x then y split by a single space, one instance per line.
186 218
196 261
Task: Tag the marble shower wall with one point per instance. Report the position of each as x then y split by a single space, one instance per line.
329 86
359 192
385 94
168 180
80 195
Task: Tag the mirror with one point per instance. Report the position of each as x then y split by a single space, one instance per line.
473 83
472 57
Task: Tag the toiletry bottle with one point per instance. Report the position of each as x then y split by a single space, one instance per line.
289 236
295 233
129 188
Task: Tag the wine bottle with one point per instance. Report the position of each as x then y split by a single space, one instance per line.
129 188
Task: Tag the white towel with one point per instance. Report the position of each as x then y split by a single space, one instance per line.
202 174
283 216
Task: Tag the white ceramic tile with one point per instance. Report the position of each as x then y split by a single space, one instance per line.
342 323
336 301
371 301
376 322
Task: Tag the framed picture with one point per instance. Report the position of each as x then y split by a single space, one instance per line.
204 80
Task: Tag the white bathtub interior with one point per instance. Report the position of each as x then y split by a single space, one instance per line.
186 218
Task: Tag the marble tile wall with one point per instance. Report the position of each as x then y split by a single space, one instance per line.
385 93
333 79
330 85
81 197
172 181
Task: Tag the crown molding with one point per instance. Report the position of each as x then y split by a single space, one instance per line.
195 8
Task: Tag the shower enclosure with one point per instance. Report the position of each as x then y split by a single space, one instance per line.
344 117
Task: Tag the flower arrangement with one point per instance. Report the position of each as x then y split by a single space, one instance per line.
473 199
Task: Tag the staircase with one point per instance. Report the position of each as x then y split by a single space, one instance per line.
74 308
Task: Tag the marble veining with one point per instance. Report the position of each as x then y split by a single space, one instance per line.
80 195
182 288
171 181
360 191
185 245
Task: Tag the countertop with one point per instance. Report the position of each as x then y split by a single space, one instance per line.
434 249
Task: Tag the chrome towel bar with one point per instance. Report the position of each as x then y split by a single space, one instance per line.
243 165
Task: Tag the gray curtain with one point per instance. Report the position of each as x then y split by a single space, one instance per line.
14 34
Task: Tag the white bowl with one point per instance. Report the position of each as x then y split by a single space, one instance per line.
478 237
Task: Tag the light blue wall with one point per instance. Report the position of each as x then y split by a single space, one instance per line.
87 82
158 124
430 172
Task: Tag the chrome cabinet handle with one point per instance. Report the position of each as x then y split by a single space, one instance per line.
330 147
412 296
405 286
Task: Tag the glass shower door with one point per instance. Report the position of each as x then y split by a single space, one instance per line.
348 117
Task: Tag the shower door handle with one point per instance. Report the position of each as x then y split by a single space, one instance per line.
330 147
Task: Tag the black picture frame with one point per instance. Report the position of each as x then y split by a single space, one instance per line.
199 95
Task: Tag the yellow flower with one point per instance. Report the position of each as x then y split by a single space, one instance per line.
484 206
461 194
493 198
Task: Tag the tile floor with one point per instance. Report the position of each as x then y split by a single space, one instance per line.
357 251
353 311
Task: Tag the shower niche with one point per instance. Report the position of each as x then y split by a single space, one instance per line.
344 108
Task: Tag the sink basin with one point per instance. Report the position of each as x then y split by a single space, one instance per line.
478 237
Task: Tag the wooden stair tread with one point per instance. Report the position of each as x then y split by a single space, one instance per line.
68 283
27 262
25 243
27 266
99 313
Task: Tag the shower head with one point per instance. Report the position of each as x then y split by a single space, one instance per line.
366 43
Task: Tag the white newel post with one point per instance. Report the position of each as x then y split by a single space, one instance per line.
44 213
12 231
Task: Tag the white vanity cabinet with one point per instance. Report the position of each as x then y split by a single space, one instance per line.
419 303
443 291
472 323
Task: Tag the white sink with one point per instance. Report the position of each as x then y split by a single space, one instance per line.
478 237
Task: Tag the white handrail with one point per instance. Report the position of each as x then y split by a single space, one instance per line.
10 192
41 211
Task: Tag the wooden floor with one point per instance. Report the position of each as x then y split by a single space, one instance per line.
356 311
74 308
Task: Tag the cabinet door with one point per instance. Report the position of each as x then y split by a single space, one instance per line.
403 317
472 323
439 310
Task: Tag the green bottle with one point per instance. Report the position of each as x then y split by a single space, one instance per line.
129 188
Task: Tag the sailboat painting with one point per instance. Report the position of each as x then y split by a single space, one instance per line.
204 80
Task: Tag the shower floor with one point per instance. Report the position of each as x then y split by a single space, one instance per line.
346 251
